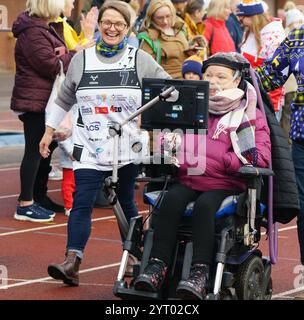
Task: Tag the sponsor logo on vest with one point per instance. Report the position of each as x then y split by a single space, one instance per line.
95 139
94 126
86 111
115 109
94 78
99 150
101 110
86 98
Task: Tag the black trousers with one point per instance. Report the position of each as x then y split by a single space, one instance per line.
203 222
34 170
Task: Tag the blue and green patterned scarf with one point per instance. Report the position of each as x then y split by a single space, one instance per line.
107 50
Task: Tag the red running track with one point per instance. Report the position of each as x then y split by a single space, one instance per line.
27 248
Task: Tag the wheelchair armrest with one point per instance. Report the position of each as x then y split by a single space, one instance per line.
254 175
249 172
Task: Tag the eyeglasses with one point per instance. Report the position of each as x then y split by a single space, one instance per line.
119 26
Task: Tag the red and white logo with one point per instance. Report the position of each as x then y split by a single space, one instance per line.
101 110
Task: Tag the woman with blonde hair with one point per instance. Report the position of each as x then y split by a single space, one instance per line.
88 24
40 48
216 32
163 36
262 36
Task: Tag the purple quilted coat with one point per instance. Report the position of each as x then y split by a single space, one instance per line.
39 48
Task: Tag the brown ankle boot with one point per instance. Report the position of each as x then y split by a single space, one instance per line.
67 271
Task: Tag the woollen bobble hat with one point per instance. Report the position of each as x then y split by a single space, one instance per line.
192 64
249 8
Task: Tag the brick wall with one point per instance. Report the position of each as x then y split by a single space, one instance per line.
7 42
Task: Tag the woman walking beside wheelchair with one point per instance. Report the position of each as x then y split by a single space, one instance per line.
237 135
105 81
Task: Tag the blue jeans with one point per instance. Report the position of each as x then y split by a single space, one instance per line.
88 183
298 160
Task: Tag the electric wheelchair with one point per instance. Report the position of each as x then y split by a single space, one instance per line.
239 271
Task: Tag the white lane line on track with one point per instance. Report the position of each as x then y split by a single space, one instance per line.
9 169
286 293
55 163
282 229
56 226
47 227
17 195
52 281
57 190
20 284
279 295
9 120
65 235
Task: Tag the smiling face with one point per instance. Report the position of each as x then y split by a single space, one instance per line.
113 27
162 17
220 76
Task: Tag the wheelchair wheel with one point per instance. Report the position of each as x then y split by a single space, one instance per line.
249 280
268 291
226 294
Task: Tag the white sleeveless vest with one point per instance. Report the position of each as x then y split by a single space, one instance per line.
106 93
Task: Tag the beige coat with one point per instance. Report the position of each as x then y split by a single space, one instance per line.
173 48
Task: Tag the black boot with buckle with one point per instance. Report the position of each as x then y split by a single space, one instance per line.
153 276
195 286
68 271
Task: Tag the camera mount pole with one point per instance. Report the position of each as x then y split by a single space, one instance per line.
111 183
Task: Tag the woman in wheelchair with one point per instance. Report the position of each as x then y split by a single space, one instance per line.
237 135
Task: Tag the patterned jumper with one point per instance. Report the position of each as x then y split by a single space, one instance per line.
287 59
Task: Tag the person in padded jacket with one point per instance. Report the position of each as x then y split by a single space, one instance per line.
237 135
39 48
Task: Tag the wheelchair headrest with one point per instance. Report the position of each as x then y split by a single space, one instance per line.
242 66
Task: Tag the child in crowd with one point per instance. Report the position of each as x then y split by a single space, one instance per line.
192 68
65 142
